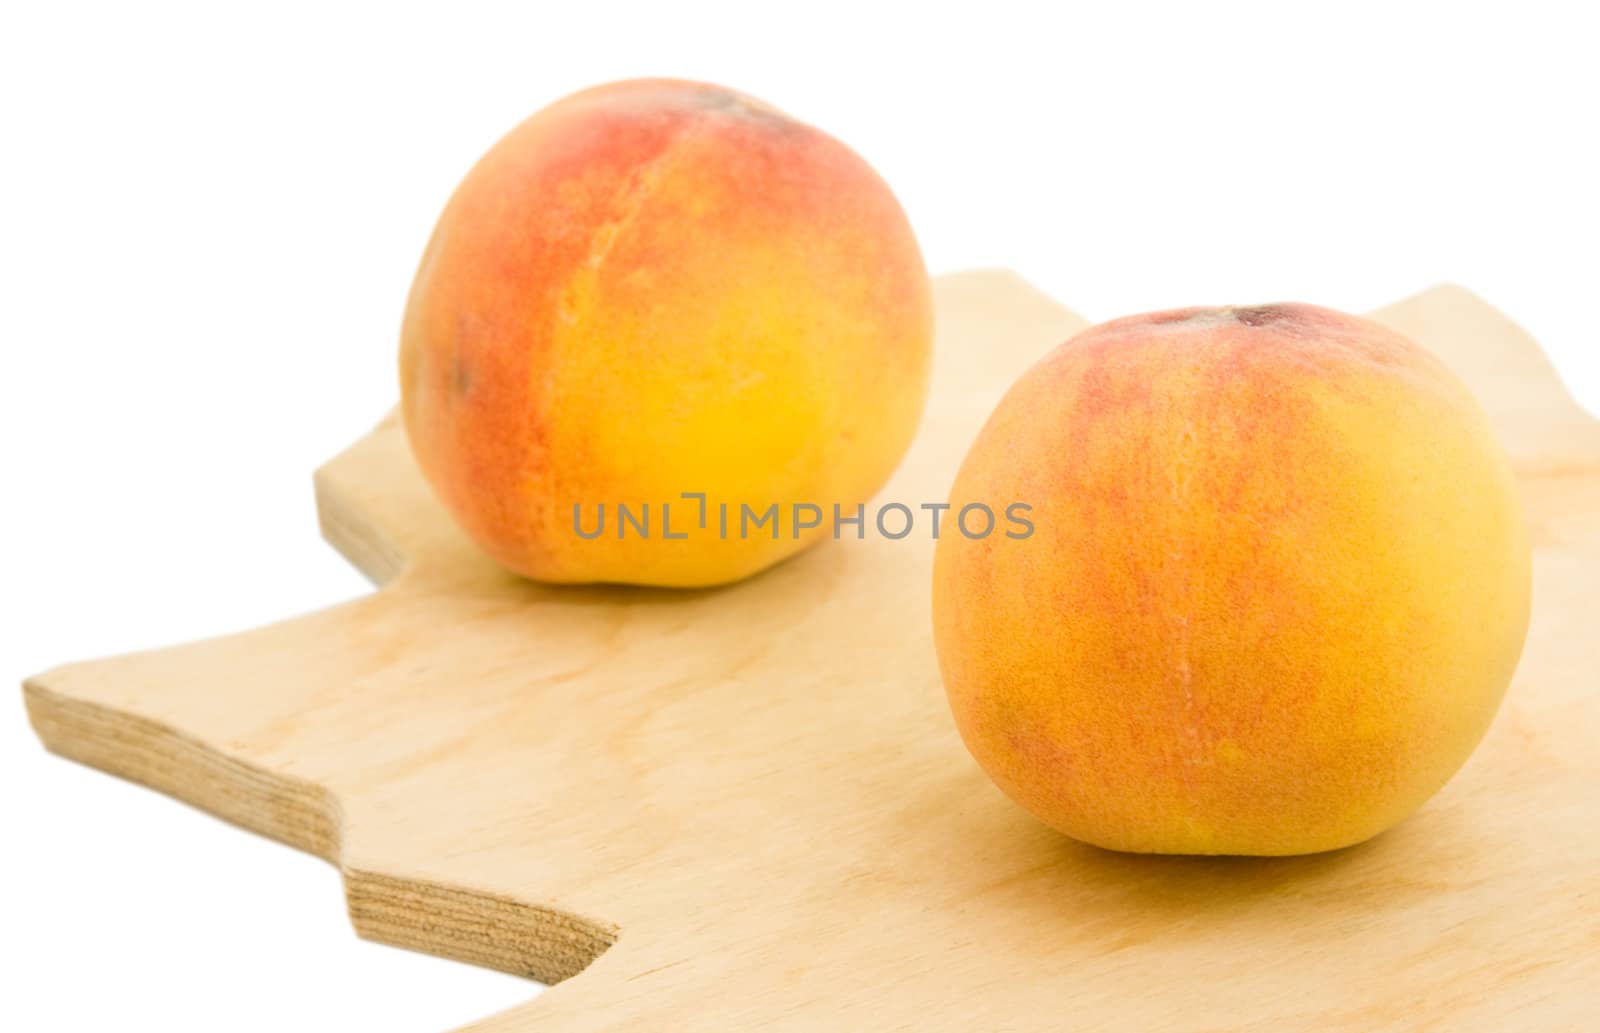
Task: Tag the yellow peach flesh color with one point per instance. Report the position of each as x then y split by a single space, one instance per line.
1278 584
659 287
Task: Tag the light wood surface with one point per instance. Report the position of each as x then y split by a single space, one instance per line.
747 808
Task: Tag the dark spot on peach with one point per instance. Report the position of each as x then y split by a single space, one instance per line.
1259 315
748 108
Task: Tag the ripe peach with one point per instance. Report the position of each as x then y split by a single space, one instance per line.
654 288
1278 583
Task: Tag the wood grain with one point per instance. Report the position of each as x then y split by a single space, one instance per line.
747 808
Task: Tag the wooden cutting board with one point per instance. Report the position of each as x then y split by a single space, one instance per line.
747 808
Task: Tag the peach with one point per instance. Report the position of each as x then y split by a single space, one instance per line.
1277 585
657 288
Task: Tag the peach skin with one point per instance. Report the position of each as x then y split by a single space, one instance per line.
1278 583
654 288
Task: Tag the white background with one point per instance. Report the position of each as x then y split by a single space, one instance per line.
209 217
